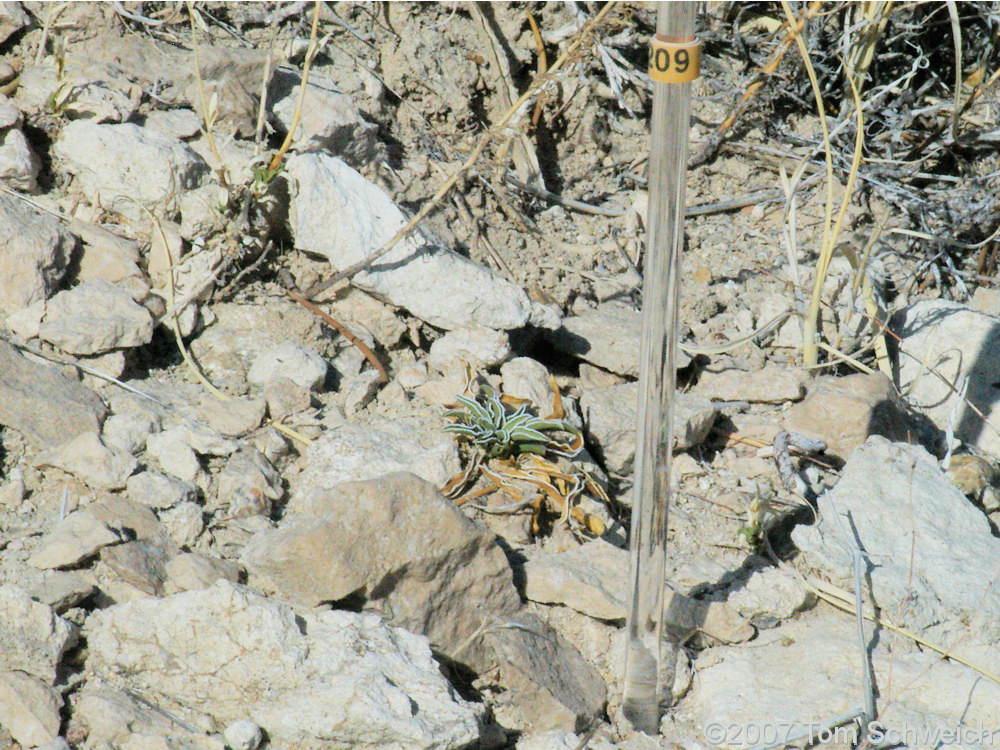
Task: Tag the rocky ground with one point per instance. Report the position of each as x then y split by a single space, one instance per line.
225 524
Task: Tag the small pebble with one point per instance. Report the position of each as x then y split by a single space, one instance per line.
242 735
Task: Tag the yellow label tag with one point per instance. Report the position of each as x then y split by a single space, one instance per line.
674 62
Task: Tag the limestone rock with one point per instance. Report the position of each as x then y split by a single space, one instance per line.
150 167
771 385
808 668
959 344
339 679
33 638
74 539
291 360
88 459
844 411
19 165
62 589
337 213
611 413
248 484
401 545
330 120
13 18
141 564
95 317
35 252
607 336
479 348
29 709
42 403
190 570
159 490
934 549
354 452
770 596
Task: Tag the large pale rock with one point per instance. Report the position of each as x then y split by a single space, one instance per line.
611 413
33 638
74 539
354 452
607 336
331 680
808 671
337 213
398 545
42 403
95 317
29 709
933 555
844 411
35 251
149 167
944 345
89 460
401 545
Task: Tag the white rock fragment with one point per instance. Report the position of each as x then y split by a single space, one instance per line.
235 416
291 360
960 345
243 735
29 709
19 165
808 668
477 347
94 317
248 484
201 211
527 378
89 460
13 18
184 523
159 490
355 452
340 678
33 638
35 251
128 432
96 101
149 167
770 596
935 551
175 455
178 123
360 390
74 539
337 213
